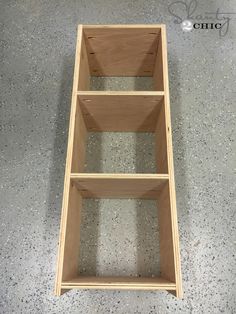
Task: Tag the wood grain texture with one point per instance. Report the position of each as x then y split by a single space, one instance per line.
119 185
161 142
65 201
158 69
144 283
79 142
72 235
120 112
178 279
167 258
84 70
121 51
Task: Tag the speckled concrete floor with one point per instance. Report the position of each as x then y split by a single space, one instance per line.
37 55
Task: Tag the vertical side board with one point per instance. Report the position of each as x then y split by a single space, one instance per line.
72 235
81 73
163 73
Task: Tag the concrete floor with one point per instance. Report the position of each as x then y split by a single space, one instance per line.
37 56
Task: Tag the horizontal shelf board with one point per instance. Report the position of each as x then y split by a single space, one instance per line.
146 186
119 287
119 282
124 26
127 176
123 112
120 93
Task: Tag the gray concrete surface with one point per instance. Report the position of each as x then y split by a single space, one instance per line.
37 55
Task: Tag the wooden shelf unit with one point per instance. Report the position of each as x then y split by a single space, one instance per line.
119 50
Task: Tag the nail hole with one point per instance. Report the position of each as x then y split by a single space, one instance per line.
87 100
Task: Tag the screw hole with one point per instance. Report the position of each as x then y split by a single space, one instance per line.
87 100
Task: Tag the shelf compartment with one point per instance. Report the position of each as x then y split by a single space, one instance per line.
130 188
116 51
121 112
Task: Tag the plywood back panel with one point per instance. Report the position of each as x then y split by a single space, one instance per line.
120 112
119 51
119 185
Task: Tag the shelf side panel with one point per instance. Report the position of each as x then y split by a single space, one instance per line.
72 235
65 201
167 259
172 194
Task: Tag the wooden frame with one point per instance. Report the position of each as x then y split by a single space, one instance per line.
119 50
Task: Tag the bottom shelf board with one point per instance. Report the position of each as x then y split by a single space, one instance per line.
144 283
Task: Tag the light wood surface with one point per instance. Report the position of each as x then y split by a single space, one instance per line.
119 51
83 79
79 142
158 69
176 250
119 185
65 201
167 259
146 283
161 142
72 235
120 112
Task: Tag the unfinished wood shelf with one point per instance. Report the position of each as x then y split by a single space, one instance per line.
119 50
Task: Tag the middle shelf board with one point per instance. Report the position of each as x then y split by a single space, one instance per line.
119 185
120 111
